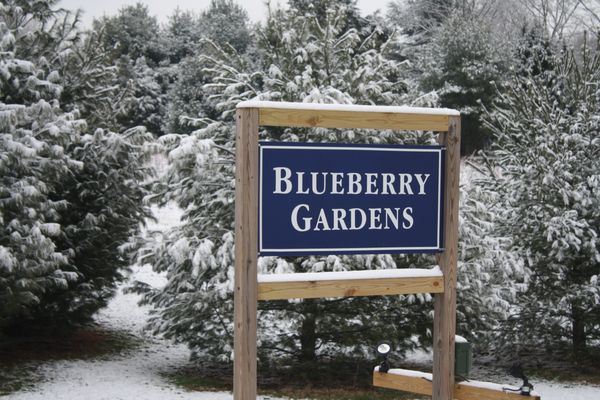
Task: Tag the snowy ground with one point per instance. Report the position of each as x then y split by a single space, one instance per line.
548 390
554 390
137 375
132 376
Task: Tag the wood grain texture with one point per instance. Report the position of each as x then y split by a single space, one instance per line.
347 119
246 223
349 288
462 391
444 322
404 383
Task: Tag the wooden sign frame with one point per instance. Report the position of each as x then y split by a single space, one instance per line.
252 114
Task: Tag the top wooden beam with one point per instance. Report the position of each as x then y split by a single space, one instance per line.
312 115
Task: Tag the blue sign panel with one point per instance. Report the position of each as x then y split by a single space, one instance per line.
349 199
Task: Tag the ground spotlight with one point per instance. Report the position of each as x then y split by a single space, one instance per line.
384 350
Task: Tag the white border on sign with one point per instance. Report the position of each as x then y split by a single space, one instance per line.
341 147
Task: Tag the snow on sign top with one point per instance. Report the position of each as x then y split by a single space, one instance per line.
351 275
346 107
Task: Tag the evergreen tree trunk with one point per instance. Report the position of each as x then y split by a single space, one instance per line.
308 332
578 334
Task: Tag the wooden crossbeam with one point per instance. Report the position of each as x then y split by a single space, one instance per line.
340 119
421 383
346 116
349 283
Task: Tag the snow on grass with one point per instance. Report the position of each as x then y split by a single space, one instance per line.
133 375
566 391
136 375
548 390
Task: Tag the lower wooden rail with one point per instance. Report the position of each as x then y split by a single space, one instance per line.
350 283
421 383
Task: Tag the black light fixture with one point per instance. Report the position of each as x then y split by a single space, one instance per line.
526 388
384 350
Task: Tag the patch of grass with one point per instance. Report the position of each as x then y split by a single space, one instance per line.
585 374
558 366
61 344
12 379
191 380
337 380
21 355
343 394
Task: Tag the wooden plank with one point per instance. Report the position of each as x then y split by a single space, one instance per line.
444 322
346 119
246 223
405 383
313 289
469 391
351 108
421 383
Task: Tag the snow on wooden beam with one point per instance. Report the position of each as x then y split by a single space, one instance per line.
421 383
286 105
350 283
348 116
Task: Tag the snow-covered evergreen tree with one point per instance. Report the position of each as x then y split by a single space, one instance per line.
140 51
35 134
226 23
300 60
133 33
67 200
419 18
181 35
103 210
486 266
187 98
301 56
546 127
463 63
144 100
460 51
89 81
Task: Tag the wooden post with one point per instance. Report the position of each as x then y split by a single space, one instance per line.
444 323
246 254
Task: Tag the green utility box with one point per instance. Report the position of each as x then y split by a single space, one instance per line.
463 358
